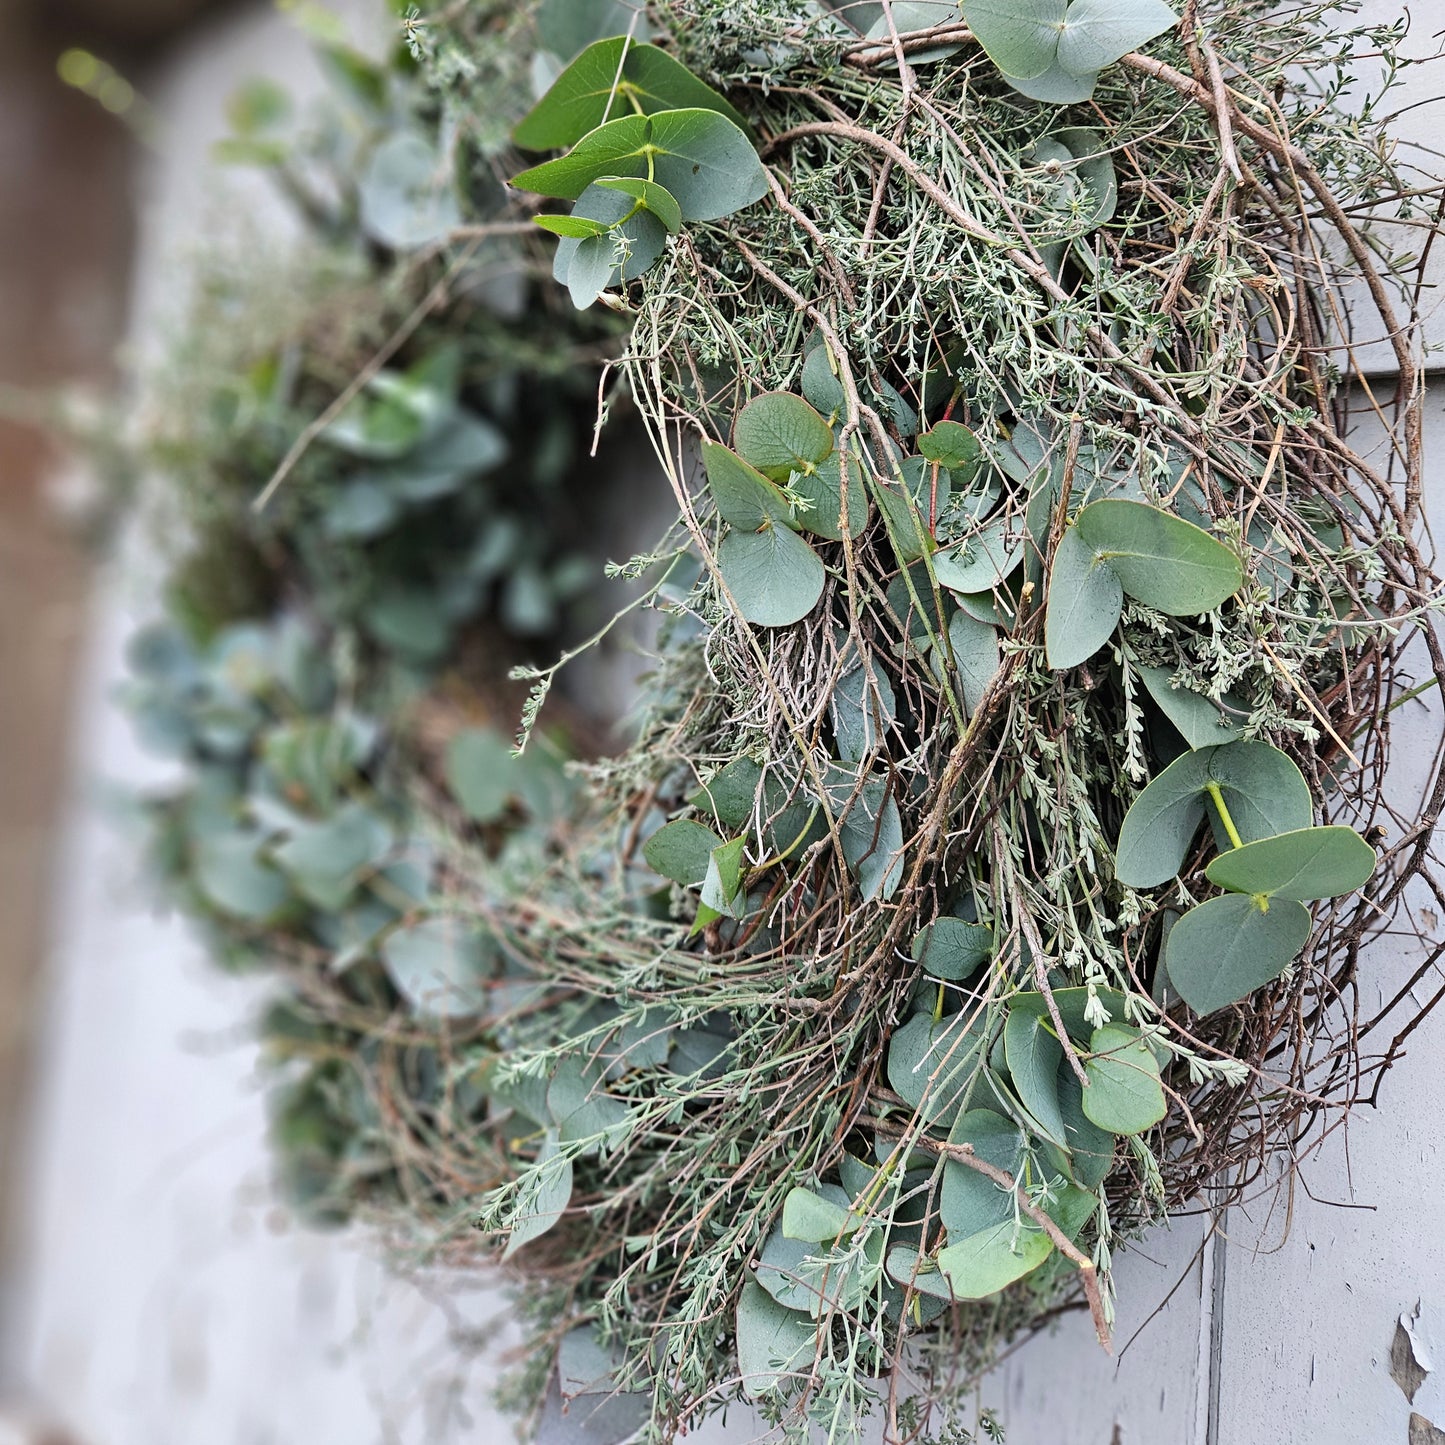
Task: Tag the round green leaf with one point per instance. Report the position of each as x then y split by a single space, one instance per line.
1262 789
970 1201
981 560
582 1108
951 445
1124 1095
871 829
911 16
950 948
917 1272
610 78
745 497
1226 948
565 27
934 1066
1161 560
1199 719
1021 37
1091 1149
325 860
577 227
975 653
780 434
816 1218
1033 1055
862 707
1096 33
590 265
543 1194
439 966
1306 864
660 202
1085 600
823 489
776 1345
699 156
234 879
681 851
805 1275
729 795
408 194
774 577
991 1260
481 773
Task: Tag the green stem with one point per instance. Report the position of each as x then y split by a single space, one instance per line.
1214 792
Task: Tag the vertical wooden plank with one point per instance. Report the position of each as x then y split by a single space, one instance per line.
1322 1268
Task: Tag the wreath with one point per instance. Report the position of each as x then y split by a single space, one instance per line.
1007 810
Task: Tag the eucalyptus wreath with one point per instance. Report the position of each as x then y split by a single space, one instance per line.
1009 364
1041 511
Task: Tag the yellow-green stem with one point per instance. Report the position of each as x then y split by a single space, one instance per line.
1217 795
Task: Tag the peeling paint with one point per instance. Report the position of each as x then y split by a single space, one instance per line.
1422 1432
1409 1361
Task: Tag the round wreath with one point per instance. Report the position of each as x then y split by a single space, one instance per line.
1036 508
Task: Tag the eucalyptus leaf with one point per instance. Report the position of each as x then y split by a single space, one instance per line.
1306 864
730 794
776 1345
976 654
229 872
982 1264
1124 1095
1033 1055
699 156
481 773
408 194
814 1217
745 497
863 708
1161 560
326 860
722 883
1091 1149
823 489
1096 33
660 202
439 965
774 577
566 27
1086 599
779 434
583 1110
1053 41
681 851
952 949
610 78
969 1200
1262 789
1200 720
633 240
871 831
981 560
576 227
1220 952
542 1197
952 445
935 1066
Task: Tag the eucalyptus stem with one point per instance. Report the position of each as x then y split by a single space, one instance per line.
1217 795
